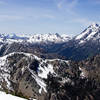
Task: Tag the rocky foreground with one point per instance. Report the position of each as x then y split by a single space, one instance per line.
27 76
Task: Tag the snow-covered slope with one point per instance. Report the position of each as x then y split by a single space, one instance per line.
4 96
12 37
35 38
29 67
56 38
91 33
43 70
26 74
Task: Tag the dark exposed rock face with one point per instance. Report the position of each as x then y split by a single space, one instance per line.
84 85
42 50
70 50
74 51
23 75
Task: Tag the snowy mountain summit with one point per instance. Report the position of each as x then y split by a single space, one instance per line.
56 38
90 33
35 38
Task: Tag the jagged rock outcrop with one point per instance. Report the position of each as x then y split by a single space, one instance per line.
28 76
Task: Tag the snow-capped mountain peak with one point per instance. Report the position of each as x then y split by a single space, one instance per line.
90 33
94 25
56 38
35 38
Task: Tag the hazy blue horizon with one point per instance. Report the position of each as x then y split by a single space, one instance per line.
48 16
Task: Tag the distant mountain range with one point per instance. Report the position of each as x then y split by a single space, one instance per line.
35 38
90 33
82 46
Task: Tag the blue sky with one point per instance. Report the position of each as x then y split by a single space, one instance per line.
48 16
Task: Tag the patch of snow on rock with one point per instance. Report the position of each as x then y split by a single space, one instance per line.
4 96
45 70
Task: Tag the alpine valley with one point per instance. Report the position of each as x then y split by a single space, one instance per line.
51 66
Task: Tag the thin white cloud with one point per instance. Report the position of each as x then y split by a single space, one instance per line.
67 5
10 17
2 3
60 4
41 16
49 16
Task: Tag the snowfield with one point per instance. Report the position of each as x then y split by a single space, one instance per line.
35 38
4 96
92 32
